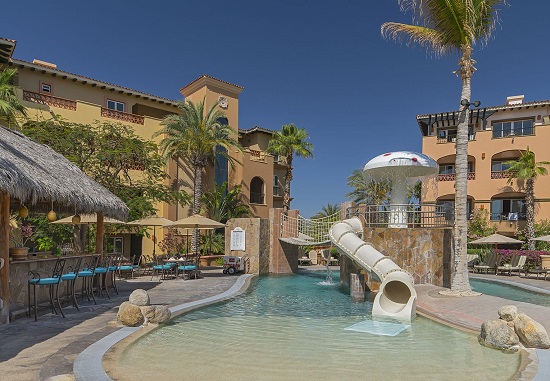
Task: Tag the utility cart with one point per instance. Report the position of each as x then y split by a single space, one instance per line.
233 264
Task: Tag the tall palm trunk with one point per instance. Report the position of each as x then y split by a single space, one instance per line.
460 272
530 213
288 179
197 194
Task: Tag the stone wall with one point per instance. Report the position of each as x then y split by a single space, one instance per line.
256 242
424 252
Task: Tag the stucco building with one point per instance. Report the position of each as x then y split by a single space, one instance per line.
496 134
46 91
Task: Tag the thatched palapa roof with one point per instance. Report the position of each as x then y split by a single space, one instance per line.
34 174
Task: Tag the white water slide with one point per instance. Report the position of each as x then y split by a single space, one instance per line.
396 297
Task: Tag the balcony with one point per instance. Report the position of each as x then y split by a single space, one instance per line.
123 116
406 215
49 100
257 155
451 138
501 174
452 176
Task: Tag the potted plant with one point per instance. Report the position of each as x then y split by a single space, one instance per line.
20 234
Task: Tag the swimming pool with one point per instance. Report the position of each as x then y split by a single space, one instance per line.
293 328
509 292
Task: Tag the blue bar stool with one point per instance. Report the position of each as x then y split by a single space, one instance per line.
52 282
70 277
87 275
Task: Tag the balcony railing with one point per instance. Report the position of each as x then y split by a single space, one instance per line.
49 100
451 138
257 155
124 116
257 198
501 174
508 216
420 215
452 176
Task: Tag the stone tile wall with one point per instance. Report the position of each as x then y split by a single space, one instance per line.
256 242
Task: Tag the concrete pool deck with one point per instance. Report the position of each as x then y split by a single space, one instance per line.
47 349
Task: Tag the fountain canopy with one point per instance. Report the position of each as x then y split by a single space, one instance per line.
401 164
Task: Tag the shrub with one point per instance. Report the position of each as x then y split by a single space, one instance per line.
533 256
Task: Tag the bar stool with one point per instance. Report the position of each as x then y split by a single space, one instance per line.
70 277
52 282
87 275
102 272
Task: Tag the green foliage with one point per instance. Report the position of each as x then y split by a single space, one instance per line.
479 225
367 191
48 235
173 243
526 167
10 106
287 143
111 154
219 261
212 243
541 228
222 205
329 210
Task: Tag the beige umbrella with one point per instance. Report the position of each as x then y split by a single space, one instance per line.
153 221
545 238
196 221
495 239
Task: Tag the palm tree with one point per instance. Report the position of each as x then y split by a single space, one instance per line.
194 136
367 191
222 205
287 143
329 210
9 103
527 169
446 27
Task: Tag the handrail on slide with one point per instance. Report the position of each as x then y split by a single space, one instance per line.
396 297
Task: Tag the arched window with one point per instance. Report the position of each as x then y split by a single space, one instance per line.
257 192
446 206
500 163
508 206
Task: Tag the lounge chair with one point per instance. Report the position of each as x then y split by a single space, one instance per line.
304 261
490 263
473 259
313 256
516 264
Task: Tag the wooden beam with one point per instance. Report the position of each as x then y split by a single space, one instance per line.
4 256
99 235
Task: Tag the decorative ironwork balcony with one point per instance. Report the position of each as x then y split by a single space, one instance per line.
124 116
451 138
50 100
501 174
256 155
452 176
419 215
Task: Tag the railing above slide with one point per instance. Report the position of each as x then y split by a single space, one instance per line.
305 231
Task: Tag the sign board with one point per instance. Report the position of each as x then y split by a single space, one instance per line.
237 239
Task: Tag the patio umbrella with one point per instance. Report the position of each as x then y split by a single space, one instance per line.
495 239
87 219
153 221
196 221
545 238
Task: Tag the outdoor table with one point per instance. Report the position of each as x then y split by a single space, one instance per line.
177 261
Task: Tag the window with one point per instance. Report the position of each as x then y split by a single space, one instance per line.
508 209
512 128
257 195
447 209
115 245
115 105
499 166
45 88
448 169
276 185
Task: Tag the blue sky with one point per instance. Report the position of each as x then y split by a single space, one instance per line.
319 64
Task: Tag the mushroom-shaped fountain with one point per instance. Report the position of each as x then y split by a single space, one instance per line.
400 168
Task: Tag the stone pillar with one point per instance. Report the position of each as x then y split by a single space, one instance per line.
357 287
256 242
4 258
283 257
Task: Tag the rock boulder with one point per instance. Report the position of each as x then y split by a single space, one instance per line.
498 335
139 297
130 315
508 313
162 313
531 333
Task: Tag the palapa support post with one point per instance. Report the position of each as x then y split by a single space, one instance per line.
4 257
99 235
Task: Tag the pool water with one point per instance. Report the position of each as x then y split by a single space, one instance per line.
509 292
294 328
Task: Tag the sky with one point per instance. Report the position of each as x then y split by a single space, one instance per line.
321 65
